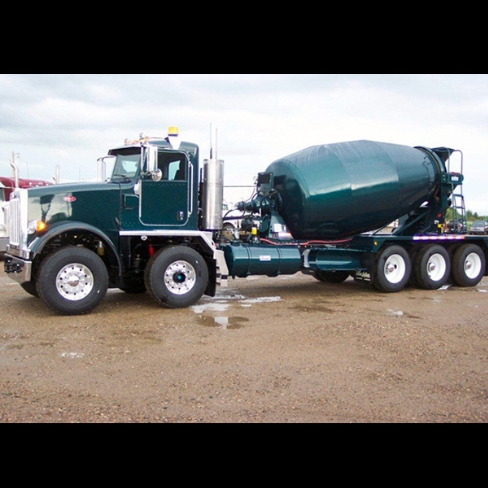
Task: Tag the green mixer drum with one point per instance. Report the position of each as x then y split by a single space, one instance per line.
340 190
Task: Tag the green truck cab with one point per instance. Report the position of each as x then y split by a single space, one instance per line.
139 230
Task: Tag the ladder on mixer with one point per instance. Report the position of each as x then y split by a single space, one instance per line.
459 222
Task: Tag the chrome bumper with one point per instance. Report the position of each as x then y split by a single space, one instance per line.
17 269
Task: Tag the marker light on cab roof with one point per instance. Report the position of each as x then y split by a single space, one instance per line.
172 132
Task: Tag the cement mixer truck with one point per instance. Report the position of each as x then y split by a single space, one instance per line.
155 225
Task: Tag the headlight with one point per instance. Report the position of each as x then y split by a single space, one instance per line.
36 226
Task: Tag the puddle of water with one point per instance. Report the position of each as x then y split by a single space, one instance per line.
260 300
225 323
229 297
212 306
220 305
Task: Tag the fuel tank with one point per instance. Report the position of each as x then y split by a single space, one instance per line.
339 190
250 259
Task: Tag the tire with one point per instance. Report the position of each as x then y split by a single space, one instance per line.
31 288
468 265
331 276
176 277
72 280
432 267
393 269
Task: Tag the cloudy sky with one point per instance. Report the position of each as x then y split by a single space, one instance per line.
70 120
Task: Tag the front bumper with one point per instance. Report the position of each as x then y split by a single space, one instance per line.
17 269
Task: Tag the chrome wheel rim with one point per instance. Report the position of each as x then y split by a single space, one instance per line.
74 282
180 277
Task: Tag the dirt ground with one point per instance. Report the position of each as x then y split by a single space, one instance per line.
264 350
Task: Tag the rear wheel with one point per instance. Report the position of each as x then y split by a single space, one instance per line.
393 268
468 265
176 277
432 267
72 280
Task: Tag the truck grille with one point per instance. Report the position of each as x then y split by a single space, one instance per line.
14 221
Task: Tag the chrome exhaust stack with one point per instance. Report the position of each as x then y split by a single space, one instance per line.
15 170
212 187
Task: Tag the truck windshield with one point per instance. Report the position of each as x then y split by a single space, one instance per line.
127 163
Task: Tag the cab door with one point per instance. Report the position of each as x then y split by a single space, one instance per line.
166 203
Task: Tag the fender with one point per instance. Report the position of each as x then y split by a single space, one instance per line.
38 244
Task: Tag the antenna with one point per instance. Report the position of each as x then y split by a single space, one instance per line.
213 142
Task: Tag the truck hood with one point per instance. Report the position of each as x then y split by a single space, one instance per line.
96 204
73 187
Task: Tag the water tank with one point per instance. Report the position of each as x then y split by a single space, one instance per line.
339 190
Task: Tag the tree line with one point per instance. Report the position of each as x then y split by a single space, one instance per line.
470 215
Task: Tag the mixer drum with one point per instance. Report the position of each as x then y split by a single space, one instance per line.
339 190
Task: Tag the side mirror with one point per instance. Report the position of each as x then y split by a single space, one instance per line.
152 159
152 164
102 167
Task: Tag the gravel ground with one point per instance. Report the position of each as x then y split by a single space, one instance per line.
265 350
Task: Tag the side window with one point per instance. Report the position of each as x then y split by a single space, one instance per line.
173 166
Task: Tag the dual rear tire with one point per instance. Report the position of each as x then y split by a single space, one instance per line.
176 277
468 265
432 267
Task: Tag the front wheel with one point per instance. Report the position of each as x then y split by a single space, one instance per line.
72 280
393 268
468 265
176 277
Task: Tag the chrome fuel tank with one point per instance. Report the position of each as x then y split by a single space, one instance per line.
339 190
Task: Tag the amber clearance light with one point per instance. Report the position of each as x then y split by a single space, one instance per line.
36 226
